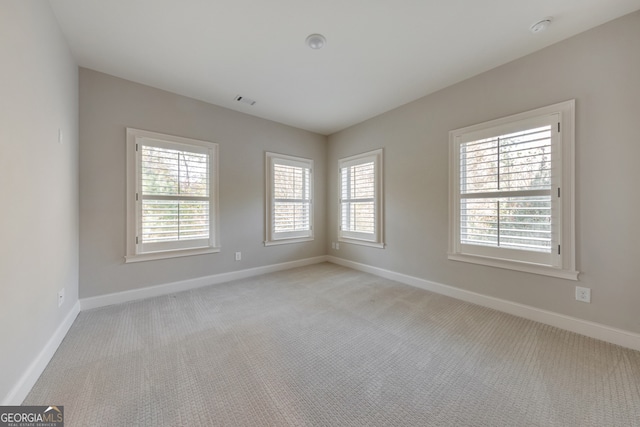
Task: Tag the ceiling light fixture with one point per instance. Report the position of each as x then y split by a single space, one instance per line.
316 41
540 26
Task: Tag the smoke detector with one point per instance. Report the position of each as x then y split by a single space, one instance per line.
316 41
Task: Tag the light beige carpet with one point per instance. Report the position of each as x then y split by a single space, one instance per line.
329 346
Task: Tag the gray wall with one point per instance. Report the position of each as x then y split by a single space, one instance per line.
107 106
38 184
601 70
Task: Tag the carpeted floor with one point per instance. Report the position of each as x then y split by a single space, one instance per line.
329 346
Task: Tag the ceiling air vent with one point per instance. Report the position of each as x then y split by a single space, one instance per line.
245 100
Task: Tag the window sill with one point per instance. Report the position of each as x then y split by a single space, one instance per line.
288 241
152 256
515 265
362 243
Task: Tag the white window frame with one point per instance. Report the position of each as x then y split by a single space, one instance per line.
561 262
272 237
136 250
375 239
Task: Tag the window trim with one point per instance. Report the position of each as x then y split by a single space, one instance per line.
565 267
377 240
133 252
271 237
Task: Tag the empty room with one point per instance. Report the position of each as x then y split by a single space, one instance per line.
245 213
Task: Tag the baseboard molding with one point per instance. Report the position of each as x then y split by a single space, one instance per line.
20 391
198 282
583 327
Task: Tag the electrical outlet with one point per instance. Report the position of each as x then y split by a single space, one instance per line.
337 246
333 245
583 294
60 297
238 256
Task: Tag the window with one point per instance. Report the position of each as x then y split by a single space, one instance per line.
171 196
361 199
511 192
289 211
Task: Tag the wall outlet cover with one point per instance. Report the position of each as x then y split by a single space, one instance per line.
583 294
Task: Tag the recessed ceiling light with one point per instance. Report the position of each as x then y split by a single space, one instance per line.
541 25
316 41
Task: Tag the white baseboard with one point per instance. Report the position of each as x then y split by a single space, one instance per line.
591 329
198 282
20 391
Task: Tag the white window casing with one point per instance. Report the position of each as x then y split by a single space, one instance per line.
512 192
172 196
289 199
361 199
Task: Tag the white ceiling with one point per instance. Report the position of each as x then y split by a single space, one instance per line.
380 54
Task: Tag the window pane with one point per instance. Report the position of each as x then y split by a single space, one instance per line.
290 182
358 182
194 174
479 222
508 222
525 160
169 220
512 162
159 171
525 223
291 216
173 172
479 166
358 217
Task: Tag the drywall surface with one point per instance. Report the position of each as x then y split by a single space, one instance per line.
598 68
38 186
108 105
